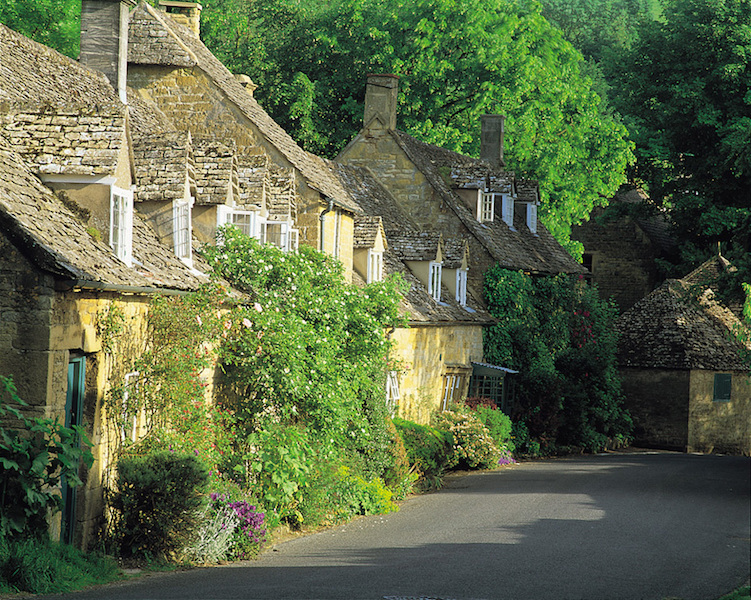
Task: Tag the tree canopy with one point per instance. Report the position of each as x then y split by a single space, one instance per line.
685 91
456 61
54 23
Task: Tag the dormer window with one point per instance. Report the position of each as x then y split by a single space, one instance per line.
281 235
434 282
181 229
508 211
248 222
461 286
532 217
485 207
121 224
375 266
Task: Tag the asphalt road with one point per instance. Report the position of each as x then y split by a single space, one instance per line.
607 527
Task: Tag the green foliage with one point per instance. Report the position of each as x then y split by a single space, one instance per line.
684 89
428 450
456 61
156 503
54 23
36 457
559 335
309 348
39 566
498 425
473 447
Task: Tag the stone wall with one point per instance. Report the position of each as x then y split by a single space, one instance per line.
658 402
719 426
623 259
422 354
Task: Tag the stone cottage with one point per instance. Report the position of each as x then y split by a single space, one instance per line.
72 248
685 380
448 218
621 250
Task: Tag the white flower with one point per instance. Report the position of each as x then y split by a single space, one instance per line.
258 307
247 323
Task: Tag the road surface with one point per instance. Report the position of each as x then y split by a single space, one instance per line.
626 526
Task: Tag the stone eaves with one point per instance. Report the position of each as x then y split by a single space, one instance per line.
149 25
215 171
164 164
366 231
672 328
517 250
53 238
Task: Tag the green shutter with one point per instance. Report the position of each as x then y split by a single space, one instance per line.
723 383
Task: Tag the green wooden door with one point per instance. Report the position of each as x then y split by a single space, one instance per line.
73 415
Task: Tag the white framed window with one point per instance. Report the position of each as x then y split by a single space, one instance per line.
281 235
248 222
392 391
461 286
486 207
434 281
121 223
508 211
375 266
453 384
181 229
532 217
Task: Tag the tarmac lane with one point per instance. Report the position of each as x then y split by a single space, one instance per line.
617 526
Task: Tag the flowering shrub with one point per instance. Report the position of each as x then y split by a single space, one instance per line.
497 422
213 537
428 449
249 532
473 446
506 457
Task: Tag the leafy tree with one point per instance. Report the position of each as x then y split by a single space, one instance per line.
456 60
685 88
559 335
54 23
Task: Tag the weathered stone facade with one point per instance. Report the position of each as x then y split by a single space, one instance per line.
424 355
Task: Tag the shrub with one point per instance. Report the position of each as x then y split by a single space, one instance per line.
498 424
213 536
156 504
361 497
473 447
35 458
428 449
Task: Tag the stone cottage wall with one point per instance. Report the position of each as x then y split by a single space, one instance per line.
421 353
658 402
723 427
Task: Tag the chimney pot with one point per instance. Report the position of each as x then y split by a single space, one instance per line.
491 140
380 101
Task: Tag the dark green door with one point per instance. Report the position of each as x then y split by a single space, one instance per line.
73 414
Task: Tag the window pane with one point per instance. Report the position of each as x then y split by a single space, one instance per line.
723 383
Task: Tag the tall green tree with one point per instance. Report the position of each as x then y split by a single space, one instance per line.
54 23
685 88
457 61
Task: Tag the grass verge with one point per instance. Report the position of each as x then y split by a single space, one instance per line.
41 566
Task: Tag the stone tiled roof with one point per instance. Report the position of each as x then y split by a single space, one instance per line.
216 170
149 25
366 231
672 328
251 174
418 305
60 116
164 162
520 249
416 245
281 195
454 250
657 227
145 116
57 241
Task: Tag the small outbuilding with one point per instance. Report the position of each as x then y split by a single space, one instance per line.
686 376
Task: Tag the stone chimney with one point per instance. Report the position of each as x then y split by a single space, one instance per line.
187 13
491 140
246 82
104 39
380 101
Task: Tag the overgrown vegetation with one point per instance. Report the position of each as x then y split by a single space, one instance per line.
559 335
36 455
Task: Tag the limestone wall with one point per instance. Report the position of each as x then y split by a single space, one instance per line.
719 426
423 354
658 402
